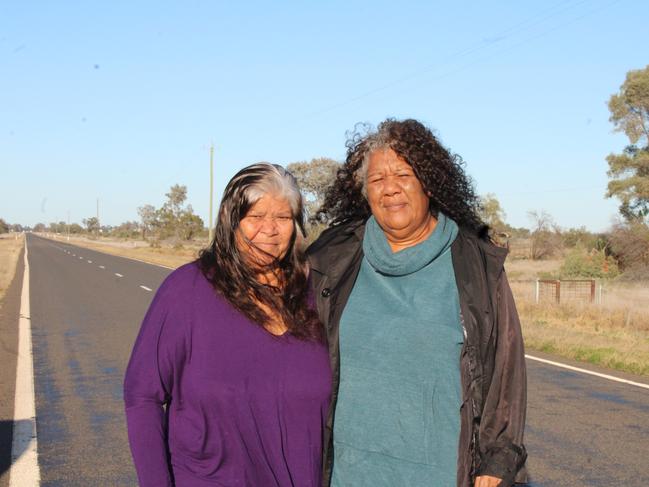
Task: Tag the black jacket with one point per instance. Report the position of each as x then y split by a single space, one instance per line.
492 361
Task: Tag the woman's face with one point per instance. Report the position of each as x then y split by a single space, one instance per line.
397 199
264 234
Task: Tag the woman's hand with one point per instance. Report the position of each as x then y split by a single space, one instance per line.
486 481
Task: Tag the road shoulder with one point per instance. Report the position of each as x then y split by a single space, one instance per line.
9 317
598 369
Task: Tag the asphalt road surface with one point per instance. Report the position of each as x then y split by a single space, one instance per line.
86 308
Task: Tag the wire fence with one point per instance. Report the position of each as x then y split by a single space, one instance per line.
567 290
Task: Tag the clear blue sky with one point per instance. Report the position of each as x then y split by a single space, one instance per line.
120 100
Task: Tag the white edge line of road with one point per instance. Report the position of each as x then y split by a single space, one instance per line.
589 372
120 256
24 469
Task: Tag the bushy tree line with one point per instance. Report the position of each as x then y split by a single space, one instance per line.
9 227
314 177
173 220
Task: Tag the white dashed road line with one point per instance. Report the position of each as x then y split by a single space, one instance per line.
116 273
530 357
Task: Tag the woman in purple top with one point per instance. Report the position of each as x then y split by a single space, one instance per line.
229 379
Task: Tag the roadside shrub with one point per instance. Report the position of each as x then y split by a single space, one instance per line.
630 246
574 237
594 264
639 273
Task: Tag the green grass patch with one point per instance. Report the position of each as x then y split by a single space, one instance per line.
619 355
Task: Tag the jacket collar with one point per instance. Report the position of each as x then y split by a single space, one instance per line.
492 255
339 244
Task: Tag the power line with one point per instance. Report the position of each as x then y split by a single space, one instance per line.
552 190
522 26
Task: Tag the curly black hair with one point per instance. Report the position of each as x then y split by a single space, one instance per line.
440 172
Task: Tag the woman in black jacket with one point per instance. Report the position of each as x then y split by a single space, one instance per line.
424 337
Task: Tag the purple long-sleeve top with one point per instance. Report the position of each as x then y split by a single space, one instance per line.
213 399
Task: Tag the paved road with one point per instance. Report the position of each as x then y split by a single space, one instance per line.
582 430
86 308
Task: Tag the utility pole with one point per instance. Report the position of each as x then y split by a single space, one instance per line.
98 225
210 225
68 225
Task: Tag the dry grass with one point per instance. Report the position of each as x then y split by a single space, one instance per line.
165 255
10 246
526 270
613 334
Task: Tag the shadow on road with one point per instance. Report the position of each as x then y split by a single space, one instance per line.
6 441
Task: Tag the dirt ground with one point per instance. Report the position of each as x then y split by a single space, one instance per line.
10 246
136 249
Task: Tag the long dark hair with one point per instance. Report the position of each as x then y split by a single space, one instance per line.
225 267
439 171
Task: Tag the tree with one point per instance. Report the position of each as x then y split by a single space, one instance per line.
630 246
148 217
174 219
492 213
75 228
629 171
175 199
40 227
545 236
314 178
92 224
127 230
575 237
168 216
4 226
189 224
60 227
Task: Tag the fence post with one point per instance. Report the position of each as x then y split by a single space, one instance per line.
558 288
536 294
592 291
601 284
